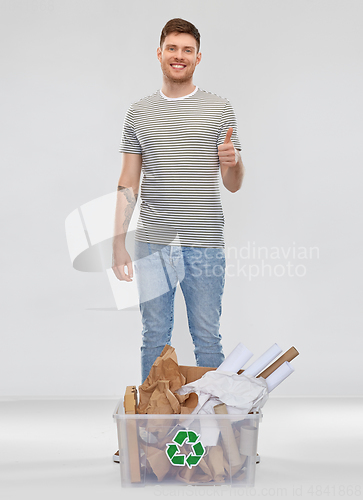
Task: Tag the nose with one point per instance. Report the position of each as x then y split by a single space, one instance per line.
178 54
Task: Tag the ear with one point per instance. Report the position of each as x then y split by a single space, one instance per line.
199 57
158 53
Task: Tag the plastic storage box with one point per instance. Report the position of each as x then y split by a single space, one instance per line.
187 449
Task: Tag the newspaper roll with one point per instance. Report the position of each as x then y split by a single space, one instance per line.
264 360
236 359
248 440
279 375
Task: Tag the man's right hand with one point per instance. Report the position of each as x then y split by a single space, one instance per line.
120 260
128 186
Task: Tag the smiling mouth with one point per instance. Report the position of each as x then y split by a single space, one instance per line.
177 66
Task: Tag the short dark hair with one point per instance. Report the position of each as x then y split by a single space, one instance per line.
180 26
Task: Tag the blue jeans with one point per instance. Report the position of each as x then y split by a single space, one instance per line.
201 274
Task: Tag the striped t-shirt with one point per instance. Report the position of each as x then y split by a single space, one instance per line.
178 139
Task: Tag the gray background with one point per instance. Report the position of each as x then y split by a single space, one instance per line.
293 72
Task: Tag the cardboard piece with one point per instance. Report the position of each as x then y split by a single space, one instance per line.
185 474
157 460
203 473
215 463
199 474
236 460
193 373
130 401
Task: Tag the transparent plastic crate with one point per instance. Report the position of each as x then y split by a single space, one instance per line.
187 449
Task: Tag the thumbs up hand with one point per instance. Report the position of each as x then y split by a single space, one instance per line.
227 154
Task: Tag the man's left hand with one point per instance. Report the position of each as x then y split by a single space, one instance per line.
228 156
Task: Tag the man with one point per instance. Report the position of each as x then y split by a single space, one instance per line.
181 137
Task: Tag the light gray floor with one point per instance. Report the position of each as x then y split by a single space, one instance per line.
62 449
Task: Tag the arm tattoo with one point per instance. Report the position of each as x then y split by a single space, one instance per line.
130 206
127 193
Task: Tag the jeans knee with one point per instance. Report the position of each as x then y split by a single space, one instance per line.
153 339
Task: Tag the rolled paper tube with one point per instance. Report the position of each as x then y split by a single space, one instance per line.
248 440
263 361
236 359
215 462
279 376
287 356
229 440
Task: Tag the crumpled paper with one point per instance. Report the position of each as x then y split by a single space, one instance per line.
240 393
157 461
158 392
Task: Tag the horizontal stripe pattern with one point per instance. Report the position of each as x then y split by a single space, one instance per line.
178 140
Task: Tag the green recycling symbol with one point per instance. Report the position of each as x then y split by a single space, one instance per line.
194 457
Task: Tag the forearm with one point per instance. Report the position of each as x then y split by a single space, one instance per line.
233 175
125 204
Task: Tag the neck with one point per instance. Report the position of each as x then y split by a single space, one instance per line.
177 89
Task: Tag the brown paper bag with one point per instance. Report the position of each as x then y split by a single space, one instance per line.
157 393
162 400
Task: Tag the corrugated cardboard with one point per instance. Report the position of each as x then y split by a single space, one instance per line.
130 402
130 399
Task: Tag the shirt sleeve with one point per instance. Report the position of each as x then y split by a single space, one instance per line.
228 120
129 141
